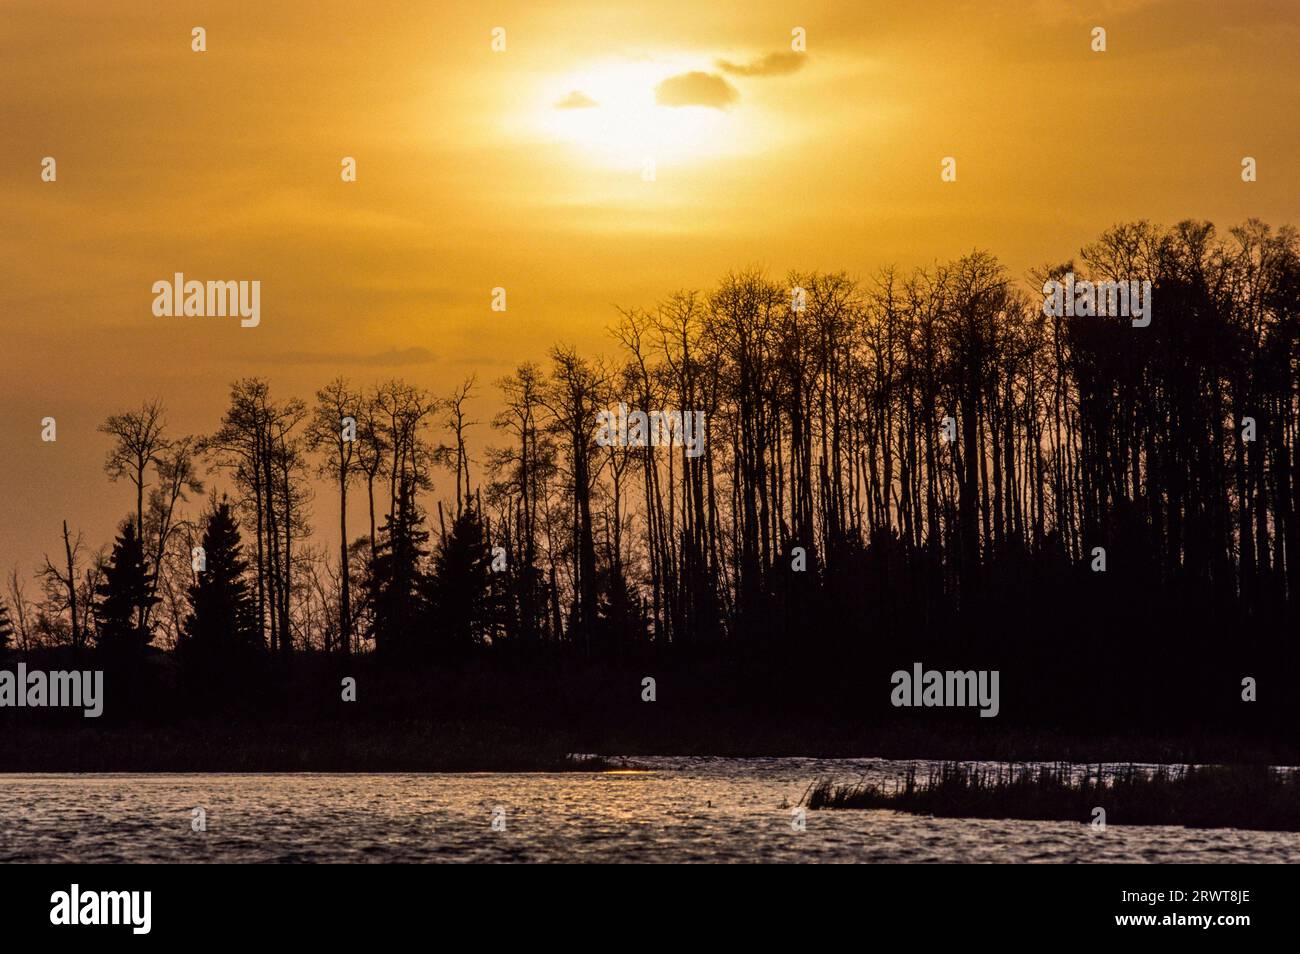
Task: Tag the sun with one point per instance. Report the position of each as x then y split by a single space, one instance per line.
607 114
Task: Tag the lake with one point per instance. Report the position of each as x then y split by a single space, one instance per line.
681 810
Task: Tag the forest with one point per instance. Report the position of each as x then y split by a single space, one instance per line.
912 465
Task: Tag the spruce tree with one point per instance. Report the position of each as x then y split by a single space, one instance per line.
221 632
621 622
6 627
459 591
123 597
396 579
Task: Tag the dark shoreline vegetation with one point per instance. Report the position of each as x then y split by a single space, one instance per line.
1251 797
516 713
916 467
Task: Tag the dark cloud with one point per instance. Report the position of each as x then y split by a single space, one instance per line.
774 64
577 99
696 89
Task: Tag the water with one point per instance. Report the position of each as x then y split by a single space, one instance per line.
682 810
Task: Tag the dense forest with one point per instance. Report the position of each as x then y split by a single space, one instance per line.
916 465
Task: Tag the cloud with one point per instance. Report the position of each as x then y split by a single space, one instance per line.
577 99
773 64
696 89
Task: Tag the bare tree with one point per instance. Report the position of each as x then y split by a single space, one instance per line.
329 432
21 613
63 583
138 442
457 454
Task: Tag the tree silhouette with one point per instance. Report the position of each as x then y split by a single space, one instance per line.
523 471
6 627
397 609
952 463
326 433
138 443
459 591
221 634
259 445
123 599
61 585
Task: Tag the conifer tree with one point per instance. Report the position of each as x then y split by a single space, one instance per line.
124 597
222 629
6 627
395 581
459 592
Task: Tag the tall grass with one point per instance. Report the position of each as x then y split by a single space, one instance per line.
1236 796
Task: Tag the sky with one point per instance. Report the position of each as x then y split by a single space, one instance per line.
526 168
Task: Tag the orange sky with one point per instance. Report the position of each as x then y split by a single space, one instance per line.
225 165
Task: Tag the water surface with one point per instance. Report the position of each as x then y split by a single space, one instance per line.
683 810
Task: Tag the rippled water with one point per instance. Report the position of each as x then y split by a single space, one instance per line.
683 809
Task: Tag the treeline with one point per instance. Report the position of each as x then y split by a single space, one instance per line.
884 459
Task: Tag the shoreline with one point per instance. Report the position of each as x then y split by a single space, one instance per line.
206 747
520 713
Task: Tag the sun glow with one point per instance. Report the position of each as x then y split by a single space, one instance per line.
609 115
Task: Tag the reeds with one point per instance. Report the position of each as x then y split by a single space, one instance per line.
1238 796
